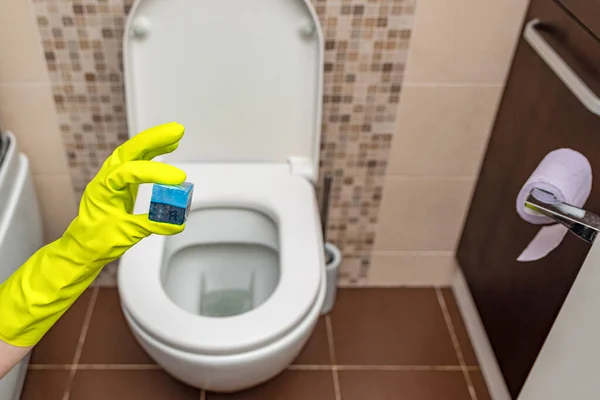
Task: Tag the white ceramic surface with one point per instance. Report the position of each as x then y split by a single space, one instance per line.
243 77
247 85
21 235
230 373
289 201
277 328
332 269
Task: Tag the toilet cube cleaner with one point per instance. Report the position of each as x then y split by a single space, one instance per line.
171 203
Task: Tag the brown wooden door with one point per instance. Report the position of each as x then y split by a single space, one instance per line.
587 12
518 302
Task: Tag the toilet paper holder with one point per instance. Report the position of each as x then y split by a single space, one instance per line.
584 224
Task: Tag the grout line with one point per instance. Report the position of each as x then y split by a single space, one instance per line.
27 84
456 344
310 367
330 342
294 367
122 367
49 366
334 370
401 367
81 341
381 368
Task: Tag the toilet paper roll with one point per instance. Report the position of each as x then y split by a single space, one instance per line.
568 175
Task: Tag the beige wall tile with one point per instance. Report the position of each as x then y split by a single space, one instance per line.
422 213
28 111
412 269
21 53
464 40
443 130
57 202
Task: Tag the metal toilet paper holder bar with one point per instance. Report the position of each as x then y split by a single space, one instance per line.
584 224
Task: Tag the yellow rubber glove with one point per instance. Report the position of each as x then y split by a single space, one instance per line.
41 290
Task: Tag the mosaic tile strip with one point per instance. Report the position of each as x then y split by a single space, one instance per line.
366 43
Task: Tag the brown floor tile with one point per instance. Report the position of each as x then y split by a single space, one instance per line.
128 385
400 326
109 340
480 386
394 385
45 385
459 327
59 344
316 351
290 385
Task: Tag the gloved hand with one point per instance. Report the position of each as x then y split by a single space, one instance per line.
34 297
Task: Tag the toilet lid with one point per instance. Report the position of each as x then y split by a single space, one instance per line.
244 77
289 200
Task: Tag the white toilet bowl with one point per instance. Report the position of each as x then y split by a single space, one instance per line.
253 240
230 302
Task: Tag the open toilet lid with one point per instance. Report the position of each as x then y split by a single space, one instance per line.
244 77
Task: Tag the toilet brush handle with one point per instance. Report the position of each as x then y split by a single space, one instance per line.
327 183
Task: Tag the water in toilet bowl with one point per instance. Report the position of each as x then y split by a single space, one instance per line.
226 302
225 263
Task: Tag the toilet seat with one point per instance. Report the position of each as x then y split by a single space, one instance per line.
271 188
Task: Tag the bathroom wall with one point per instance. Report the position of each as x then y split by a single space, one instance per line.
366 47
27 109
61 91
459 58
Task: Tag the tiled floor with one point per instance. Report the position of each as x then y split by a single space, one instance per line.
379 344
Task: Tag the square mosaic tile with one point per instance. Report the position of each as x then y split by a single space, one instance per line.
366 44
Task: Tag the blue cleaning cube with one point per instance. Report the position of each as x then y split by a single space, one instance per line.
171 203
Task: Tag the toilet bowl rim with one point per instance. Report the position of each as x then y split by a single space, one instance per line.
289 198
310 317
